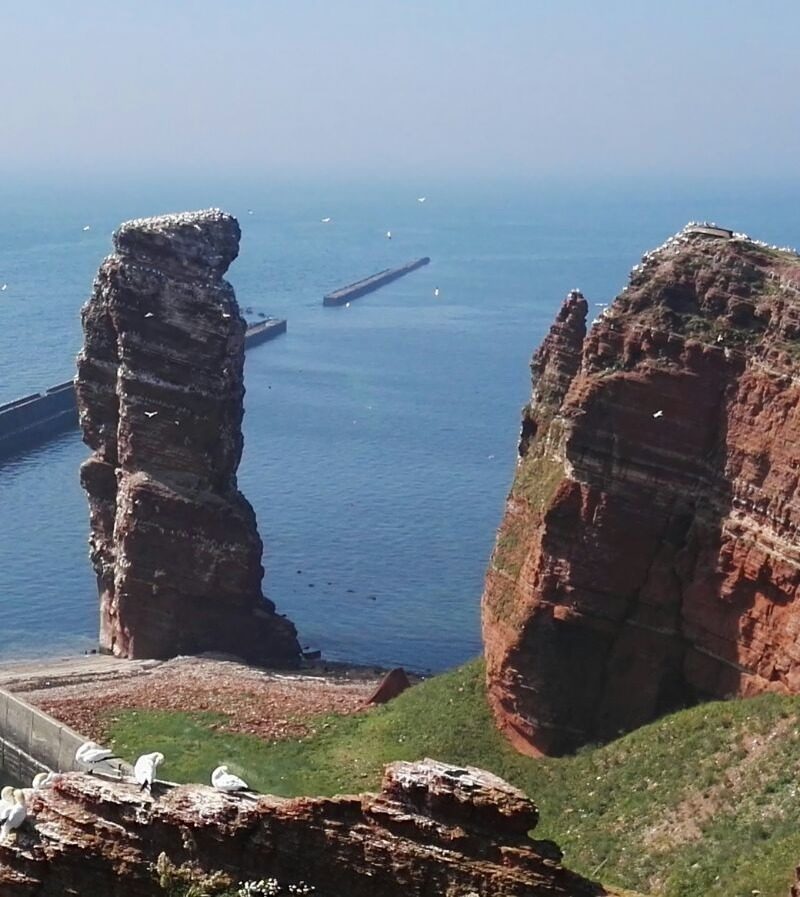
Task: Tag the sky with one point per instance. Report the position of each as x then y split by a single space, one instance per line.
561 88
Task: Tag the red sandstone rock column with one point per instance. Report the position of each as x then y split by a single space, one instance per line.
160 396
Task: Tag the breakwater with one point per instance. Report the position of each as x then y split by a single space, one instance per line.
32 420
374 282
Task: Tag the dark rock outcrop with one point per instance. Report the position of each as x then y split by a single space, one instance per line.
173 542
433 831
394 683
649 553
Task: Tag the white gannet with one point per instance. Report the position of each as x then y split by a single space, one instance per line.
144 770
150 413
6 801
43 780
90 752
388 235
15 816
436 291
225 781
325 220
658 414
421 198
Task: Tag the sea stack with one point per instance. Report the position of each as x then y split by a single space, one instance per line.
160 393
649 554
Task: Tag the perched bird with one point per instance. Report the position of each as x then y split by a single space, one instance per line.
150 413
90 752
43 780
144 770
658 414
14 816
421 198
6 800
325 220
225 781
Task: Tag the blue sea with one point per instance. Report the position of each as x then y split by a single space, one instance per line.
380 439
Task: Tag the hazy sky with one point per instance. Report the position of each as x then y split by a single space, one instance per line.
517 87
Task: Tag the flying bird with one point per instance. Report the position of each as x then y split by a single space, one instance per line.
325 220
4 287
87 227
149 314
249 211
421 198
658 414
225 781
347 305
150 413
144 770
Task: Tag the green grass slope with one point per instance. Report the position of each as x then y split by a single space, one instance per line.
702 802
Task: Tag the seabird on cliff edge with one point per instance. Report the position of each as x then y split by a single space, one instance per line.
90 753
225 781
144 770
14 816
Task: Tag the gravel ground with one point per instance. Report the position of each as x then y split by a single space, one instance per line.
265 703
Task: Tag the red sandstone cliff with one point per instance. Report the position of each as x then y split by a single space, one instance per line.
649 552
160 397
433 831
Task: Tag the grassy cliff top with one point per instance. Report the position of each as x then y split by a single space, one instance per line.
702 802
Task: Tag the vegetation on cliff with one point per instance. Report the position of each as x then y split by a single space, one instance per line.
701 802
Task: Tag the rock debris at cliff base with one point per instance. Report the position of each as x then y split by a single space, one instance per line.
649 553
160 393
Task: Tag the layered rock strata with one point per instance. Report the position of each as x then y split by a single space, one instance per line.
649 553
160 392
433 831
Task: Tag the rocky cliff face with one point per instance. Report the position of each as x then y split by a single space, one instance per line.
159 385
433 831
649 553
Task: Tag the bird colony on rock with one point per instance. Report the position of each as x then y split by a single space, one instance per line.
649 555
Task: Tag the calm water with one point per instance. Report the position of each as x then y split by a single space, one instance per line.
379 439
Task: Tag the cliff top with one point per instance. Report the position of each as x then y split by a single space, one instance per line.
205 240
732 292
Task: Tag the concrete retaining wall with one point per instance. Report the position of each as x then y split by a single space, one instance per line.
31 741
